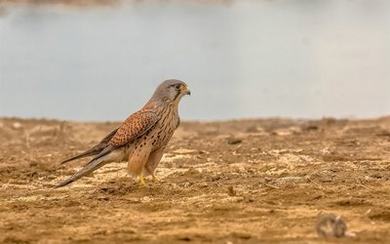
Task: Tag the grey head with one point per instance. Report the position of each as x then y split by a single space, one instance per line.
171 91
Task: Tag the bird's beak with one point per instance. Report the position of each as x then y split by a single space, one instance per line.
187 91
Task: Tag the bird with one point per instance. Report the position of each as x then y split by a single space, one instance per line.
141 139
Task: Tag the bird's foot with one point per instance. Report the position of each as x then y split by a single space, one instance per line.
156 179
142 181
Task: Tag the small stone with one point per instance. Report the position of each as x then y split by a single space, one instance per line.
187 184
146 199
249 199
203 185
231 191
233 141
33 164
184 238
216 178
103 198
17 125
310 128
287 131
242 235
330 225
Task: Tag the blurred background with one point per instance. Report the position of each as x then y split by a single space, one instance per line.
241 59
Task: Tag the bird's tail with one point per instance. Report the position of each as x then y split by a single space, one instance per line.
94 150
93 165
88 153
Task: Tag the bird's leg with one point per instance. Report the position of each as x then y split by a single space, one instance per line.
150 171
153 161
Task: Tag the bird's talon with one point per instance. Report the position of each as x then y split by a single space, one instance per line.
142 181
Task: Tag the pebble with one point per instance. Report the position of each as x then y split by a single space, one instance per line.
231 191
146 199
234 141
203 185
330 225
17 125
187 184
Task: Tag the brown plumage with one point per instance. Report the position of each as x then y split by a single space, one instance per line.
142 137
95 149
134 126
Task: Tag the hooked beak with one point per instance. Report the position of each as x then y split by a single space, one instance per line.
187 91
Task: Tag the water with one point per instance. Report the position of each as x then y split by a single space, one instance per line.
299 58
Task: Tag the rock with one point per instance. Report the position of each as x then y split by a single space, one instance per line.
330 225
242 235
216 178
187 184
17 125
146 199
249 199
292 130
311 127
231 191
203 185
233 141
103 198
33 164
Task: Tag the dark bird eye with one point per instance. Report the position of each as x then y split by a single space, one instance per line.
178 86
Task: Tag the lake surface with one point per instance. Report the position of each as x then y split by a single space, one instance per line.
295 58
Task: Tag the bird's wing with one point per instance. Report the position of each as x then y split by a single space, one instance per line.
135 126
95 149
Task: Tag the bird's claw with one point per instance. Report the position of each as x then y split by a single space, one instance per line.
142 181
155 179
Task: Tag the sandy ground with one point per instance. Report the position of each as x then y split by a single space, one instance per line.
238 182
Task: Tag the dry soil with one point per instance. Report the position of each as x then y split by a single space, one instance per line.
236 181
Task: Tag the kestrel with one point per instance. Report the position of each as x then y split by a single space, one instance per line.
142 137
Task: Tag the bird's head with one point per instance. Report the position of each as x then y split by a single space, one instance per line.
171 91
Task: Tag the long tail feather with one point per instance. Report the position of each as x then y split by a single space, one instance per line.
91 166
87 153
94 150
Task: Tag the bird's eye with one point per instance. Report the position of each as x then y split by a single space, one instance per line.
178 86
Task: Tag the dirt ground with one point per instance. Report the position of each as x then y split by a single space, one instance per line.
241 181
